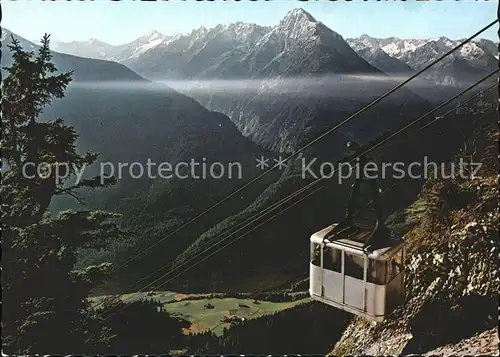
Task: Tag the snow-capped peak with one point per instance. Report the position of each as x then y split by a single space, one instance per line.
241 32
154 35
417 53
297 17
91 41
401 48
152 39
297 24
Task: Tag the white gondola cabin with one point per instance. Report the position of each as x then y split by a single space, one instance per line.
348 277
358 264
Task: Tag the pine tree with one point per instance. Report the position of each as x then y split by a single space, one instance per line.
45 305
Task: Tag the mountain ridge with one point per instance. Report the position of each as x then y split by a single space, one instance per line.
468 63
156 123
85 69
389 55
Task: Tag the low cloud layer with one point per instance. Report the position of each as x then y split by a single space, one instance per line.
343 85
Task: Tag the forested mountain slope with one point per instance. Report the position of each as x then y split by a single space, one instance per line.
131 121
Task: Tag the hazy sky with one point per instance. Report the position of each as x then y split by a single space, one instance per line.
123 21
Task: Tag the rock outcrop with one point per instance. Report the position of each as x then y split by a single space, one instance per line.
451 278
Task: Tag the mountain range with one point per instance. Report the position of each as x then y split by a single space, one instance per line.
279 110
85 69
230 51
293 82
241 95
272 103
474 59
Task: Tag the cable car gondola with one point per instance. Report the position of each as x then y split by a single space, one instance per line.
357 265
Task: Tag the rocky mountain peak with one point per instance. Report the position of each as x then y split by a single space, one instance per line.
299 25
95 42
153 35
297 17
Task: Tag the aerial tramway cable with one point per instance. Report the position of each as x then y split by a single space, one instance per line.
371 201
297 152
243 224
411 124
383 141
453 109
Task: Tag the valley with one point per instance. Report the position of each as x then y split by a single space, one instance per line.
213 312
209 265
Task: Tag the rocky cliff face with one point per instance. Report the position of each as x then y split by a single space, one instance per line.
452 278
484 343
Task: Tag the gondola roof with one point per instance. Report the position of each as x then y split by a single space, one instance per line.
356 246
